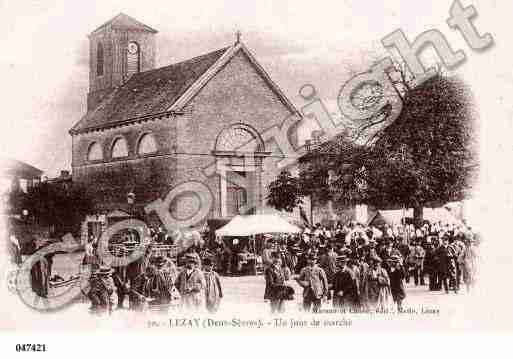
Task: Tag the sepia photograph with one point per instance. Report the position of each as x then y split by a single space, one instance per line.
271 166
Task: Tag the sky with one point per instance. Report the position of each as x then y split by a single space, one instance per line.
44 71
44 57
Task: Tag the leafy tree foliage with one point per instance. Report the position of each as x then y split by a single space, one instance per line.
284 192
148 181
61 208
427 156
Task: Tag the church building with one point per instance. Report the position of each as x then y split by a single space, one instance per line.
149 130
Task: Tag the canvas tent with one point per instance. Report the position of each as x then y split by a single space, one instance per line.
390 217
441 214
394 217
256 224
233 228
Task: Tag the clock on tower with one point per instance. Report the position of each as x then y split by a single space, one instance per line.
133 48
132 59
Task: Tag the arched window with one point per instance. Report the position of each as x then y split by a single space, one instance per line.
147 145
119 148
239 137
132 59
95 152
99 60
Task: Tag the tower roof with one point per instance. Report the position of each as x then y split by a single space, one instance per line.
123 21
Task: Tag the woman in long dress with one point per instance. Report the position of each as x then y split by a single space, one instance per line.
377 286
469 263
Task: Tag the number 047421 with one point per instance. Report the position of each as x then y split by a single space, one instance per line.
30 347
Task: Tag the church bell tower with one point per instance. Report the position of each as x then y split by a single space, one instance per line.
118 49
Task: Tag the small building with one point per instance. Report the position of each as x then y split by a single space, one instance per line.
16 179
18 175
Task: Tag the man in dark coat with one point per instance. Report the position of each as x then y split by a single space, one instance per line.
345 285
328 262
446 265
274 282
396 273
430 265
286 256
153 287
388 252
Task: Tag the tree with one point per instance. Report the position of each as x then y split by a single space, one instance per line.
60 208
284 192
427 156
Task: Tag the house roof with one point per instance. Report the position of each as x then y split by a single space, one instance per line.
166 90
15 168
123 21
148 92
331 148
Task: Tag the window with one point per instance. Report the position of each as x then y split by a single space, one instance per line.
239 137
99 60
147 145
95 152
119 148
24 185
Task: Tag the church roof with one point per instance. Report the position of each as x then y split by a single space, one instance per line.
166 90
148 92
123 21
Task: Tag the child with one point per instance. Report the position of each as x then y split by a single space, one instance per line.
213 290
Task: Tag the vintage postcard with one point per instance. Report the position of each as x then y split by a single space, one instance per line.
255 166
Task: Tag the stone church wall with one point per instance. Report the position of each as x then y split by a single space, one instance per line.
109 180
236 94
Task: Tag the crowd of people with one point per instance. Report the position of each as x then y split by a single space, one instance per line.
153 281
361 268
350 266
157 285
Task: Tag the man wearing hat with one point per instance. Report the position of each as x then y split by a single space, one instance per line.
305 241
154 286
101 289
388 252
267 260
315 284
396 273
417 255
447 265
191 251
125 275
430 265
191 283
328 262
345 285
275 279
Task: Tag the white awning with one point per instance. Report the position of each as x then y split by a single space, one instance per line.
257 224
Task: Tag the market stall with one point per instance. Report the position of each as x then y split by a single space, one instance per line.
244 231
